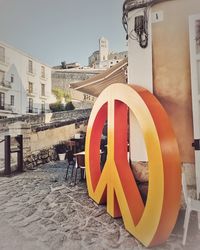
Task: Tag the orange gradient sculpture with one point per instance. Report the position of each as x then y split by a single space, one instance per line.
115 185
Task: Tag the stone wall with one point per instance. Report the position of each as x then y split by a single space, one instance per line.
71 115
30 119
39 137
40 157
53 136
63 79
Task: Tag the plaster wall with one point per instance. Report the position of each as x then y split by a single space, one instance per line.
50 137
170 67
139 73
17 66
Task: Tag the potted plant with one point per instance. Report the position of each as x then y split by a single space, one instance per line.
61 149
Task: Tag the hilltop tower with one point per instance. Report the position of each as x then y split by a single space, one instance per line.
103 49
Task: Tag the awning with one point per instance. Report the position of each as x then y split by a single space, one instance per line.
94 85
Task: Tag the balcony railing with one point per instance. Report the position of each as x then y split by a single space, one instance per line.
31 72
5 84
30 93
44 77
6 107
43 96
37 111
4 60
32 110
44 111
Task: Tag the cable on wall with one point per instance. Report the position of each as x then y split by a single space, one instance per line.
140 32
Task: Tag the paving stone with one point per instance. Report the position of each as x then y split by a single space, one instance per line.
47 214
29 211
59 215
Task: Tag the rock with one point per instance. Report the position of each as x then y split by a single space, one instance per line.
75 235
29 211
59 217
47 214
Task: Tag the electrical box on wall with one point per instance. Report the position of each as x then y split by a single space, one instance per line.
157 16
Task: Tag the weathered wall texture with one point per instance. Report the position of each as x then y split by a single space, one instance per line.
39 137
171 68
49 137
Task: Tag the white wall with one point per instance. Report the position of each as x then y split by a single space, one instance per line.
139 73
108 63
18 66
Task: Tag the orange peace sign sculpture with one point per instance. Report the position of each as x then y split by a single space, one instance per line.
153 222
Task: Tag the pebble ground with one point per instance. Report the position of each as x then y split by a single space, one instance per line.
40 210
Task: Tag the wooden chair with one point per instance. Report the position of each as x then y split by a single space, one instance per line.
191 205
72 146
80 164
71 163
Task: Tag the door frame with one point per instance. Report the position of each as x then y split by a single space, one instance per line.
195 89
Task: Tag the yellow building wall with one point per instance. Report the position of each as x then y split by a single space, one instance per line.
171 68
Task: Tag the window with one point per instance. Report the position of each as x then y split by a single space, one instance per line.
30 87
12 100
2 54
42 89
12 78
2 76
30 105
43 107
42 71
30 66
2 100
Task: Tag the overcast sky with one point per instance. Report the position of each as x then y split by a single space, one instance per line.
57 30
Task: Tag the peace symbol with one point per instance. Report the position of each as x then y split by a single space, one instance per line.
115 185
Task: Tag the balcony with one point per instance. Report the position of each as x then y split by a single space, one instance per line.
43 77
5 85
4 60
31 72
32 110
6 107
44 97
44 111
30 93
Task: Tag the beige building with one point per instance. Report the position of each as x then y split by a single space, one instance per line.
164 56
63 78
103 58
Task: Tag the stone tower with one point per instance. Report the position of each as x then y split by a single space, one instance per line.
103 49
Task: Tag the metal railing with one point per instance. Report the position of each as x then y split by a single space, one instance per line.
32 110
6 107
31 71
2 140
30 93
37 111
5 84
4 60
44 111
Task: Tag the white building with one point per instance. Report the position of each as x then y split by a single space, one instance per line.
103 58
25 83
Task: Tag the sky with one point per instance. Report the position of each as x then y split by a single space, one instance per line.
61 30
